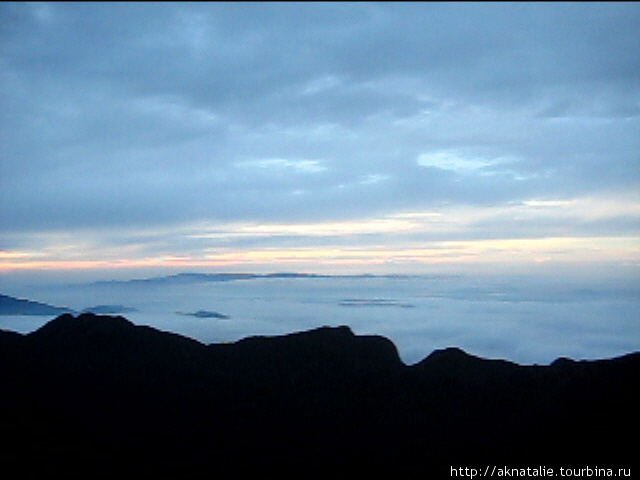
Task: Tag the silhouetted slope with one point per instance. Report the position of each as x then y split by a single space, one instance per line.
19 306
97 396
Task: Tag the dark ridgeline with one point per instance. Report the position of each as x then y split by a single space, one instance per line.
19 306
95 396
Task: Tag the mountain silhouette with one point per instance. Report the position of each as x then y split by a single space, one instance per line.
97 396
19 306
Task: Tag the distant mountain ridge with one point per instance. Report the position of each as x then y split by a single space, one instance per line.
96 395
187 277
204 314
22 306
109 309
19 306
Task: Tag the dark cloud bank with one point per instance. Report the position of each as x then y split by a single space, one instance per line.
129 114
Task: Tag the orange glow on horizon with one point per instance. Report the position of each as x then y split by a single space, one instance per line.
539 250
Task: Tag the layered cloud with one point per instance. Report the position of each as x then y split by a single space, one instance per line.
177 132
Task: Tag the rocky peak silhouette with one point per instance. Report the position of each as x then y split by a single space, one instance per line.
97 395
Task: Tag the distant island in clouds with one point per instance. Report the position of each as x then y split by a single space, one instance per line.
204 314
20 306
109 309
188 277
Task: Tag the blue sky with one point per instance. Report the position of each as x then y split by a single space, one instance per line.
339 137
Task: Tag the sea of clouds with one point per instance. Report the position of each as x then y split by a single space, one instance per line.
525 319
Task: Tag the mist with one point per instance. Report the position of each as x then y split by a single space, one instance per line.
523 318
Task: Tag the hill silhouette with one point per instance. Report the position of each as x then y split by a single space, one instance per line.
20 306
96 396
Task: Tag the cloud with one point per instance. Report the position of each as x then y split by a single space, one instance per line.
125 116
282 164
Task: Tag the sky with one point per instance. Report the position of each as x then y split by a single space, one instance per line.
320 137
